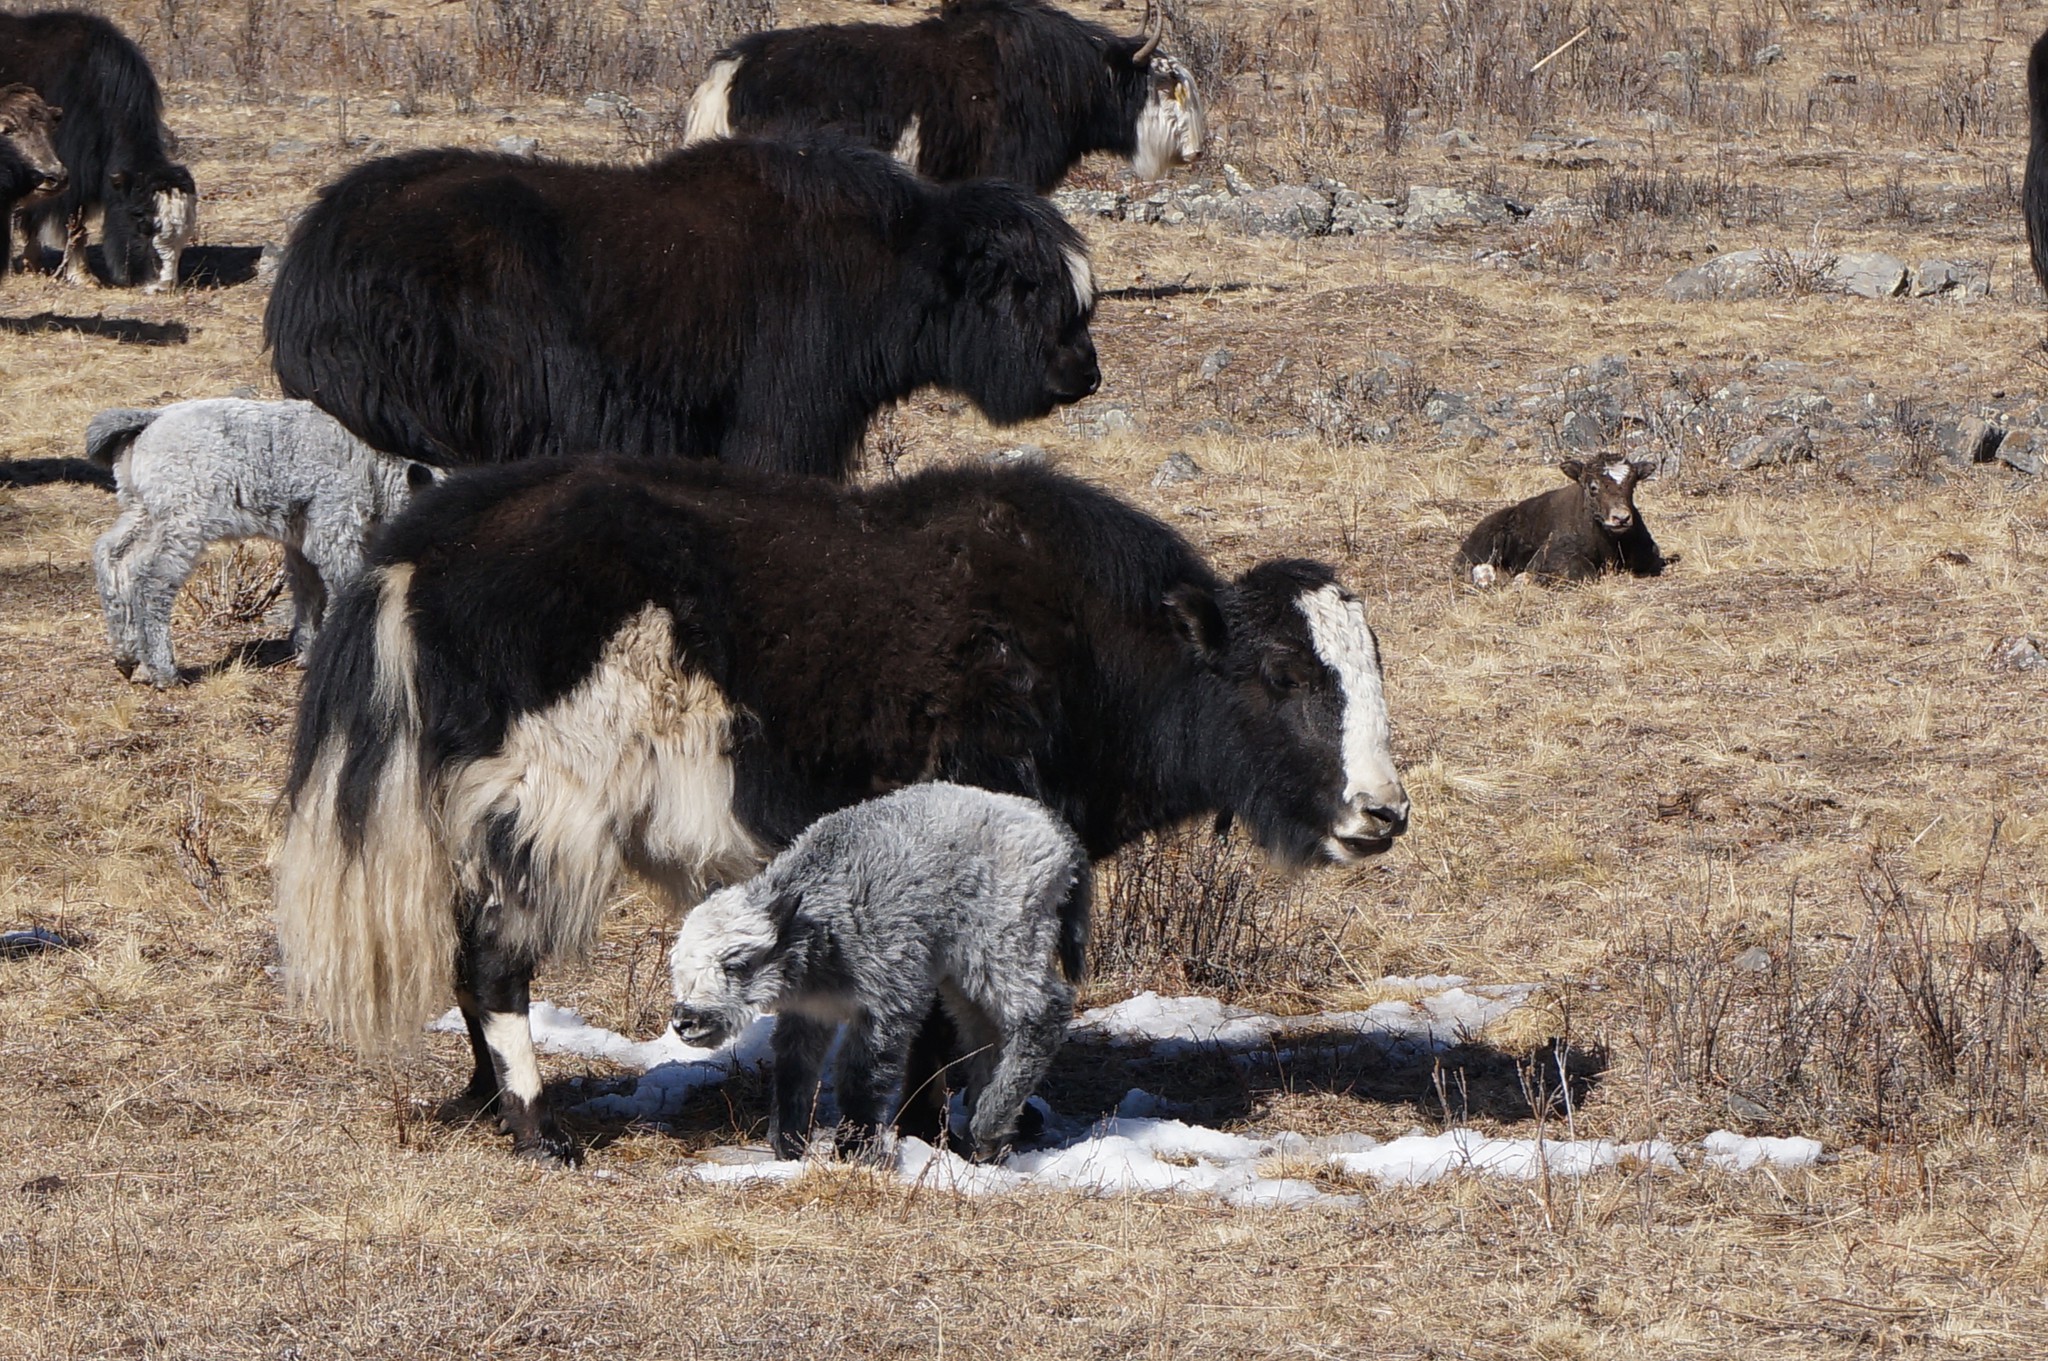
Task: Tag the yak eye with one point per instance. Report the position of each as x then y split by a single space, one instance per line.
1289 673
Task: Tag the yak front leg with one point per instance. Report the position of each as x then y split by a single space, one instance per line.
74 270
494 993
800 1046
872 1060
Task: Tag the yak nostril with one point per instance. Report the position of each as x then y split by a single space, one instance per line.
1396 819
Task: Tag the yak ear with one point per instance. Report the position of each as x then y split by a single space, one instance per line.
1199 621
1642 468
1572 469
781 909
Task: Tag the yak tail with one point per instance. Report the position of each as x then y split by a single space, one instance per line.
2034 189
366 914
41 472
109 433
1074 913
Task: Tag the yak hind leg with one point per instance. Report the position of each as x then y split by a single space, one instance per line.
494 990
871 1066
1023 1055
927 1081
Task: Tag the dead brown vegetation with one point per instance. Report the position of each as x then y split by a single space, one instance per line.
1765 827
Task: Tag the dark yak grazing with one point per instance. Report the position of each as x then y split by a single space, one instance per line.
556 670
1572 533
111 140
2034 189
754 302
1014 89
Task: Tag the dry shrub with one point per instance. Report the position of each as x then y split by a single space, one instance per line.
1927 1021
1188 910
238 586
1622 193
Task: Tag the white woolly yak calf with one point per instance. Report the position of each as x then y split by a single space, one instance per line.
194 473
937 893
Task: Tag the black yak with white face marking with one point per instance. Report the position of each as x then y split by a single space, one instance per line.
553 671
111 140
29 165
754 302
2034 188
1014 89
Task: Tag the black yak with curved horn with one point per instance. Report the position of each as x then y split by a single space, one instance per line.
1014 89
557 671
755 302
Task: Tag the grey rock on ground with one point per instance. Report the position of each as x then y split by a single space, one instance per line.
1104 422
1867 274
1285 210
1075 203
1353 214
519 146
2019 653
1965 442
2025 449
1737 274
1436 209
1792 445
1176 468
1020 455
1215 362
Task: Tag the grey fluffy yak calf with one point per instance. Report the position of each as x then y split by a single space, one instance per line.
1569 534
937 893
194 473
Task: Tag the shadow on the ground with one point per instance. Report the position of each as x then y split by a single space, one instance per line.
121 330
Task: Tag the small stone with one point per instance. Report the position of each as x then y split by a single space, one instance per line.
1352 214
1176 468
1742 1108
34 940
1583 431
1737 274
1445 406
1784 446
1457 139
605 104
1235 181
289 148
519 146
2019 653
2024 449
1074 203
2011 950
1020 456
1768 56
1285 210
245 391
1867 274
1104 422
1756 959
1436 209
1215 362
1965 442
267 261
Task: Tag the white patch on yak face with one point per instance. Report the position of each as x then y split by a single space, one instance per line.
1170 125
908 146
711 106
1083 276
718 954
1617 473
1376 804
177 214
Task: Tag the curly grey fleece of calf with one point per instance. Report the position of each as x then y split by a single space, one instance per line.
194 473
937 893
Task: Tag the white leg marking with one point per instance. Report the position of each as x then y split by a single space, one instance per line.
176 216
711 106
511 1039
1336 624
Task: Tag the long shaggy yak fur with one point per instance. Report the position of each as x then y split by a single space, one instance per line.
554 671
753 302
29 164
876 914
1013 89
111 139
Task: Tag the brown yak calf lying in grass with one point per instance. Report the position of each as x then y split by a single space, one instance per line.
1569 534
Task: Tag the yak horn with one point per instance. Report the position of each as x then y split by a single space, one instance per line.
1155 29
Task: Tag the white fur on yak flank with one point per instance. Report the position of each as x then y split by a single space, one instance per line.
639 749
369 938
711 106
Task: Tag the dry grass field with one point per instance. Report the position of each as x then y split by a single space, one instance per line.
1763 828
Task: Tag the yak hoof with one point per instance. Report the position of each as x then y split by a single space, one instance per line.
549 1150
